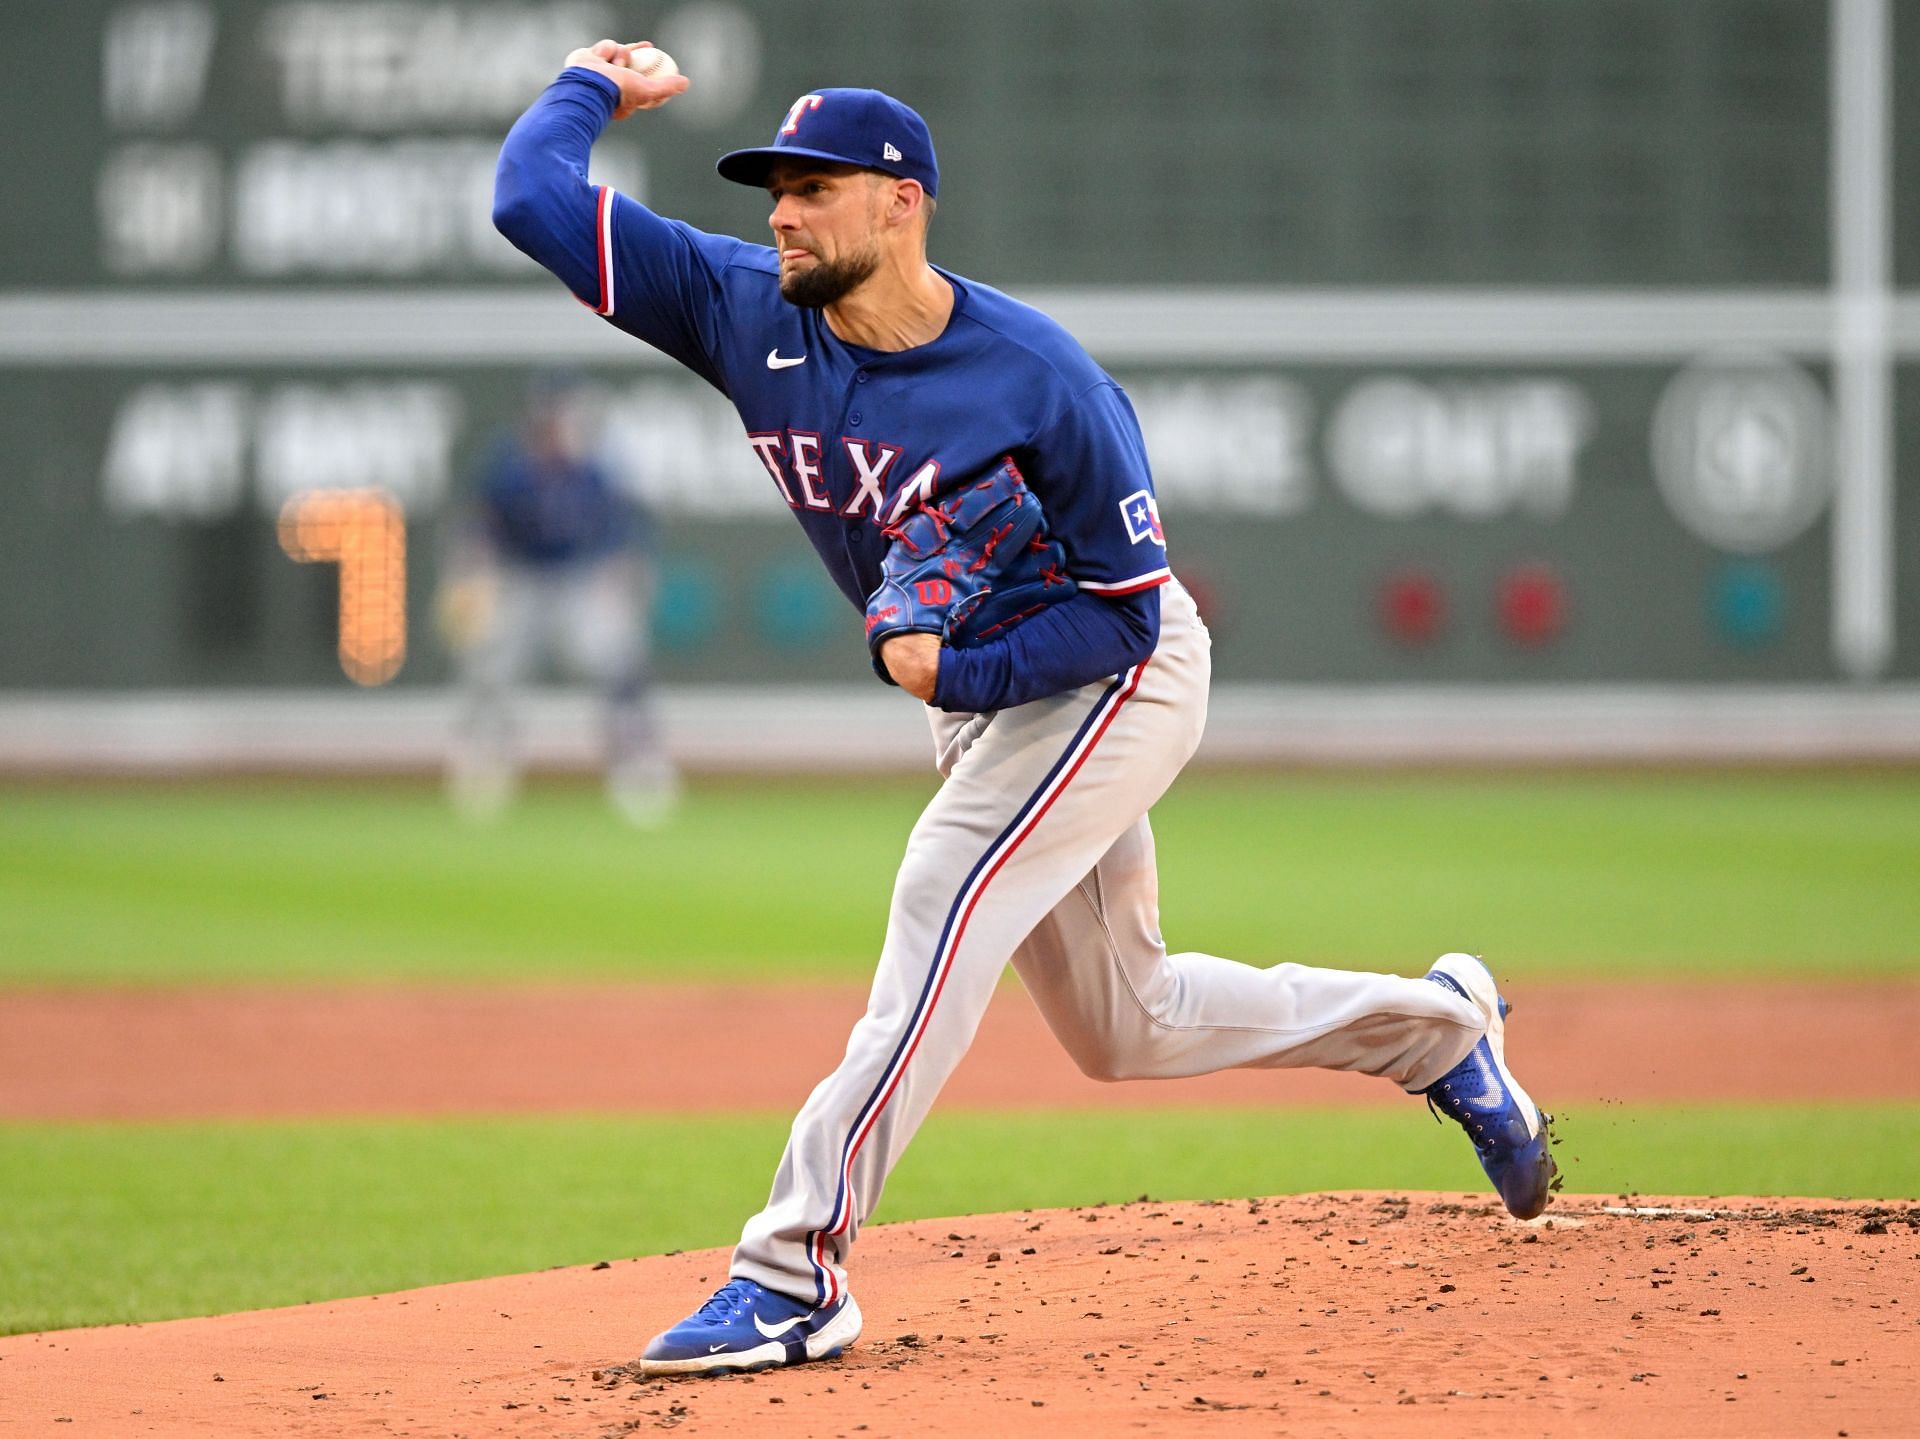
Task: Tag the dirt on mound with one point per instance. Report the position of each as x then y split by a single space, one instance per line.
1346 1314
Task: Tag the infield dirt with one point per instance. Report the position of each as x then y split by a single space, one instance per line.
1332 1315
290 1052
1336 1315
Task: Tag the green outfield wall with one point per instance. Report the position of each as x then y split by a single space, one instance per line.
1491 343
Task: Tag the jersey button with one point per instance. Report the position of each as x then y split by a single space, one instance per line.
854 418
860 377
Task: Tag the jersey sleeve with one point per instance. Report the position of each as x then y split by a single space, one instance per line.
659 280
1089 468
655 278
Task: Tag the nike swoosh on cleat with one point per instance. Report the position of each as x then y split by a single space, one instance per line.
1491 1090
778 361
775 1331
715 1348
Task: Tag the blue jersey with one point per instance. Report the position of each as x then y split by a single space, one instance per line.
851 437
551 510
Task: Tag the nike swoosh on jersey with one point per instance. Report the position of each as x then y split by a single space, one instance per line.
777 361
775 1331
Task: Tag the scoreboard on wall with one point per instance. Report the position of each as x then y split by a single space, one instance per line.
1480 342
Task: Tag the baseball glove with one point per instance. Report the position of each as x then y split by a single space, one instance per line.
968 568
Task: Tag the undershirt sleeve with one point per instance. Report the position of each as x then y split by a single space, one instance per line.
1087 638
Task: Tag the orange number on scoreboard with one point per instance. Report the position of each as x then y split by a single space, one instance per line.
365 533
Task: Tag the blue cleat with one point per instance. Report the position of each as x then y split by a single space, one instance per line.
747 1327
1509 1131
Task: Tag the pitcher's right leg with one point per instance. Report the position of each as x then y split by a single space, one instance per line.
1126 1009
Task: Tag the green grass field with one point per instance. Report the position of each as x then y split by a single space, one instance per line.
1606 875
113 1223
1603 875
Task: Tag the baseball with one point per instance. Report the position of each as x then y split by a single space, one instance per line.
652 64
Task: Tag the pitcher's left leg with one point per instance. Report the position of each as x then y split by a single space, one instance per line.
1034 801
1037 797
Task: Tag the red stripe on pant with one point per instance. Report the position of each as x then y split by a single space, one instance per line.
816 1246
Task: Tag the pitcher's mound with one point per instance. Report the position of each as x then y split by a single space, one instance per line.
1340 1314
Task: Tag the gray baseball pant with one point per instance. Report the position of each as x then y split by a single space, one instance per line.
1037 851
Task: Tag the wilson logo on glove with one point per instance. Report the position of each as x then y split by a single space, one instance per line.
967 567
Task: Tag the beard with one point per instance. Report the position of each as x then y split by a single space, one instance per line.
829 281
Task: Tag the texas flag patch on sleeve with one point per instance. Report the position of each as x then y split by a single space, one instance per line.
1142 518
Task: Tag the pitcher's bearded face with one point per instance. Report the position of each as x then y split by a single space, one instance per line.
813 283
826 222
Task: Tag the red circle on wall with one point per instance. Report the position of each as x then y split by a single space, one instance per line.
1533 604
1412 607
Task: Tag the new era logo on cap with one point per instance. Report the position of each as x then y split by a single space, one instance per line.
842 126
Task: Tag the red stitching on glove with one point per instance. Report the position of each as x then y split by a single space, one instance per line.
987 549
942 525
897 533
1011 620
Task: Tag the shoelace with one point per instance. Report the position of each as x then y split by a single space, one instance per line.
732 1295
1475 1130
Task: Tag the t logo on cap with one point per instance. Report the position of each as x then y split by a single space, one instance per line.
800 107
863 128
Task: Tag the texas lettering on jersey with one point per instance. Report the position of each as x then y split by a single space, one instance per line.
793 459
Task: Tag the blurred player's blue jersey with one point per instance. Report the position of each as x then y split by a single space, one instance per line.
848 436
549 510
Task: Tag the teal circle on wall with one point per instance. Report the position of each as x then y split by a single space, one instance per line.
1748 603
798 606
688 609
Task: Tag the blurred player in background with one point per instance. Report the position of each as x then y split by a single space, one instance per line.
551 565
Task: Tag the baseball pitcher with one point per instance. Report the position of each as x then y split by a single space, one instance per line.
978 488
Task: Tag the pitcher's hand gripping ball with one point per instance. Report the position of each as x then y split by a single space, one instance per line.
650 62
646 75
967 568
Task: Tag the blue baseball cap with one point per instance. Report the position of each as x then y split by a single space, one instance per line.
865 128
